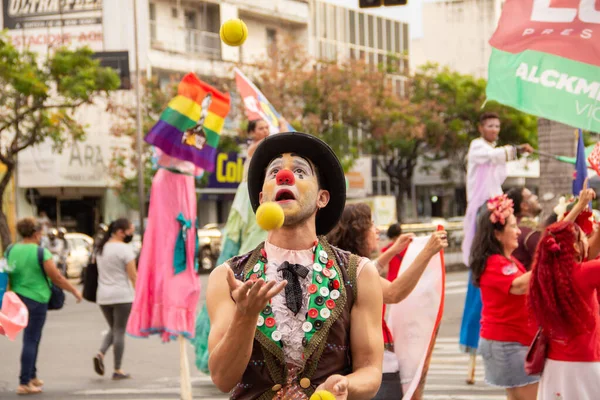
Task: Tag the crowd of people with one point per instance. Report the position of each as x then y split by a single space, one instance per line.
304 310
533 313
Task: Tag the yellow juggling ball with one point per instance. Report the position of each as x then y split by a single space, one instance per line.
269 216
233 32
322 395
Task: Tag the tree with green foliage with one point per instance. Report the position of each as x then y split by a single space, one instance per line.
453 124
437 121
38 99
328 99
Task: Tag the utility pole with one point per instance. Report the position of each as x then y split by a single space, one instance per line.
138 82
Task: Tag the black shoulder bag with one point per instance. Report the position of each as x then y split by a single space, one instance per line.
90 279
57 296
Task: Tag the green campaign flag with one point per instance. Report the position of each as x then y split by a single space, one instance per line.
546 61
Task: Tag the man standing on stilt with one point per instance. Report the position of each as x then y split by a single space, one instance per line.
486 172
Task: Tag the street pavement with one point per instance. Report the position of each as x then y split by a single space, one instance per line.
72 337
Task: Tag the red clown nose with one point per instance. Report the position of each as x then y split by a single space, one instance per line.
285 177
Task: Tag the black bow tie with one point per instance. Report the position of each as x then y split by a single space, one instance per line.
293 290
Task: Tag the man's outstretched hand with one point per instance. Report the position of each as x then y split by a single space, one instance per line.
251 297
336 385
525 148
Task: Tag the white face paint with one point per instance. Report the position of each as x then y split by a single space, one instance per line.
299 199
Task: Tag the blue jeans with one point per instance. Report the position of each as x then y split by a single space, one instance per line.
32 336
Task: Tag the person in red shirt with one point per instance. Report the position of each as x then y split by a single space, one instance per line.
564 304
505 330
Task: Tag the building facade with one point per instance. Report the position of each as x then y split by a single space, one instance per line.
71 185
456 34
175 37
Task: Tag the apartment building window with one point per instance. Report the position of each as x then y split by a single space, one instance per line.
189 21
369 31
323 20
352 24
271 40
388 35
398 37
362 29
380 42
202 30
405 39
350 33
381 181
152 12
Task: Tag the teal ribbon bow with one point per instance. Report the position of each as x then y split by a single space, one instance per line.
180 256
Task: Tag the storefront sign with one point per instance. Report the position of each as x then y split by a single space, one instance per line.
43 24
229 171
27 14
79 164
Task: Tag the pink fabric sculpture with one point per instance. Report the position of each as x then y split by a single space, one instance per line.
14 316
167 289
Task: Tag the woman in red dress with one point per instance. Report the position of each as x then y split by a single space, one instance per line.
564 303
505 330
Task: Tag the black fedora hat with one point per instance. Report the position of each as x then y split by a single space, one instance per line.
331 174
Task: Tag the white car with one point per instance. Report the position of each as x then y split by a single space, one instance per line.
80 249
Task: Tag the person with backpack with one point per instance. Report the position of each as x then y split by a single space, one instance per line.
32 274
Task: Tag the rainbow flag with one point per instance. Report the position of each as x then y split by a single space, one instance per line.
189 129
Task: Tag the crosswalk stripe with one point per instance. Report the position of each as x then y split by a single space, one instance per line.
447 373
456 284
127 391
456 291
440 387
447 340
464 397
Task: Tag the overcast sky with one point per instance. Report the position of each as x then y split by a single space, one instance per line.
411 13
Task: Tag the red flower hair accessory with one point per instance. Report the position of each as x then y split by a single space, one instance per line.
501 207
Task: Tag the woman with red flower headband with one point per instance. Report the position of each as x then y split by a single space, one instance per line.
505 333
563 300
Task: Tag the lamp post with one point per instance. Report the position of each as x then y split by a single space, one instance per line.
138 138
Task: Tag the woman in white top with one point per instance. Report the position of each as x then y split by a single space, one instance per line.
116 282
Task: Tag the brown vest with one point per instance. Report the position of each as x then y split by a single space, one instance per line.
327 353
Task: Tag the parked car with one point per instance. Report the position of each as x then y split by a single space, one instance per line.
80 249
209 246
